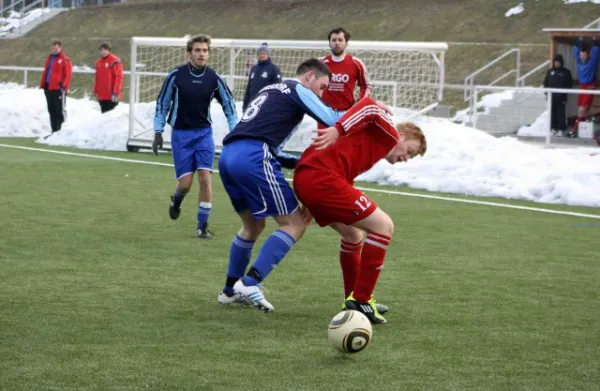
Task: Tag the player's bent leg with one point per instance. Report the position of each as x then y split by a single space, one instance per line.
292 224
380 229
181 189
275 248
239 256
350 249
350 255
204 203
183 159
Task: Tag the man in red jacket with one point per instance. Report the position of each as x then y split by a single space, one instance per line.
55 82
109 79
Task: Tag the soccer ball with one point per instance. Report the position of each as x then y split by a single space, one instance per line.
350 331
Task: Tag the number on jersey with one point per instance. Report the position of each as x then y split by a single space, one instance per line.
254 107
363 203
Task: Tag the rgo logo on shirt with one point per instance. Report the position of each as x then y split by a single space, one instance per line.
340 78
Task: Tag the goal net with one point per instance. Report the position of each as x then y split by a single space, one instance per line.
405 75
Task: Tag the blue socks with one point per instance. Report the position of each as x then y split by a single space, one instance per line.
239 257
272 252
203 213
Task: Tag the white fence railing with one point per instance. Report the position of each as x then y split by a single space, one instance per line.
469 83
517 112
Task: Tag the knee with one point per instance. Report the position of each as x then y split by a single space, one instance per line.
252 232
184 183
352 236
204 178
386 226
295 227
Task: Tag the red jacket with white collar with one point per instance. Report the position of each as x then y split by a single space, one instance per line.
109 77
60 72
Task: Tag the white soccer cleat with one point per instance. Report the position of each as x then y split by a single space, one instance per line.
254 294
236 298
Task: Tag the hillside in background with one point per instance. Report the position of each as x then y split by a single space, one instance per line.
477 30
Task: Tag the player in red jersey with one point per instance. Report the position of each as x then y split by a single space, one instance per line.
323 182
347 72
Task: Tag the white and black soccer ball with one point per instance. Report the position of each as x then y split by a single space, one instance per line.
350 331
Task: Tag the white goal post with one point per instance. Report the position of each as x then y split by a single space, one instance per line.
407 75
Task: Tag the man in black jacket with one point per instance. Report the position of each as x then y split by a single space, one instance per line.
261 75
558 77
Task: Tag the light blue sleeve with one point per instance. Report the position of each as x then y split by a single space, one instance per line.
315 107
227 101
163 102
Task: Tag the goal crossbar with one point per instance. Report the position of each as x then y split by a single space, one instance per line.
291 44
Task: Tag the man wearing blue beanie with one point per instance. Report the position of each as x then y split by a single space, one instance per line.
261 75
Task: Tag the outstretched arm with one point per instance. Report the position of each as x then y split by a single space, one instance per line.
365 113
316 108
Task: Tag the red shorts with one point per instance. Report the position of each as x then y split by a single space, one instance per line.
331 199
584 100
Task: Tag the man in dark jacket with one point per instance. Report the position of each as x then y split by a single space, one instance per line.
558 77
261 75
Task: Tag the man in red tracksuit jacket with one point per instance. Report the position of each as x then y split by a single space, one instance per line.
55 82
109 79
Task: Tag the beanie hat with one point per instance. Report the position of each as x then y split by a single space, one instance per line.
264 48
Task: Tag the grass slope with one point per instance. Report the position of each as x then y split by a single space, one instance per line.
100 290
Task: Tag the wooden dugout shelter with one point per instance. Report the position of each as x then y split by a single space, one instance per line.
562 41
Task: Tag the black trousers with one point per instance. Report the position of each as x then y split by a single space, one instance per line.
57 104
558 117
107 105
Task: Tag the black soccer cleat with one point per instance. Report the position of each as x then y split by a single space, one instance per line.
381 308
366 308
174 209
203 232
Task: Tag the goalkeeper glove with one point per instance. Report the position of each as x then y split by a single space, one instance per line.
115 98
158 142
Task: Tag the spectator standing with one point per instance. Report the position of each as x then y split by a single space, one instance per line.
109 79
262 74
587 65
55 82
558 77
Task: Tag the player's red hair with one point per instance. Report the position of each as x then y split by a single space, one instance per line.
413 132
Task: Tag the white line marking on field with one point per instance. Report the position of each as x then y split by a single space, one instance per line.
431 197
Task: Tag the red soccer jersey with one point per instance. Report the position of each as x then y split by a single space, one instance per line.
348 72
367 135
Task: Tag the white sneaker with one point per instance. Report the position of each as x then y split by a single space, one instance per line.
235 299
253 293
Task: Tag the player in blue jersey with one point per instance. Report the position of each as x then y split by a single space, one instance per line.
252 177
184 102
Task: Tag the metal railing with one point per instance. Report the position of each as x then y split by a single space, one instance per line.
594 25
542 66
470 80
22 8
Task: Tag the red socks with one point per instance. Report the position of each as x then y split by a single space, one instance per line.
371 263
350 262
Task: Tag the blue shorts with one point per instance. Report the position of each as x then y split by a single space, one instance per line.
253 180
192 150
